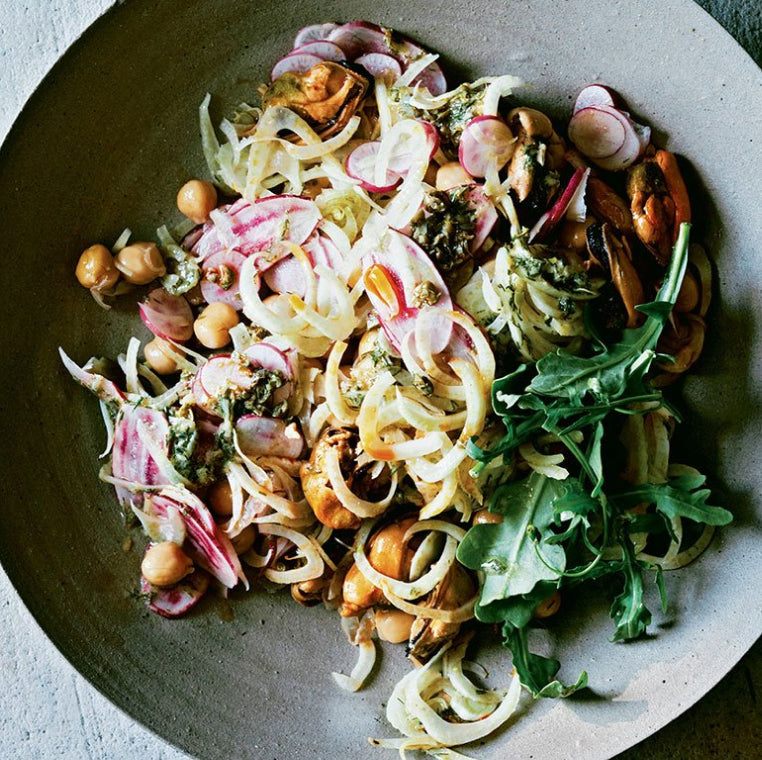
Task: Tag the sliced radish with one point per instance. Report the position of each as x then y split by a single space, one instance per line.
266 436
190 240
286 276
176 601
167 316
548 221
269 357
433 79
598 131
323 49
380 65
207 545
408 149
322 250
313 33
486 141
221 274
250 228
361 165
576 211
222 372
595 95
485 215
131 459
608 137
296 63
392 274
359 37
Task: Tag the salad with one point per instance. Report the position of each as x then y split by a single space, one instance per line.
411 358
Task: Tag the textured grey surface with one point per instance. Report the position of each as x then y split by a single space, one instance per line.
48 711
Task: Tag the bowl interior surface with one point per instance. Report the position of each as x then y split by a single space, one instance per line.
106 141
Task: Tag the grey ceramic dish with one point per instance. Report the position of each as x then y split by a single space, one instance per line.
106 141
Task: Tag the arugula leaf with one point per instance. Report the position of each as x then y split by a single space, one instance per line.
621 367
678 498
506 551
518 611
571 392
535 671
628 610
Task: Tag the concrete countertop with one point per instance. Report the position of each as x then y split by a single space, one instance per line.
48 711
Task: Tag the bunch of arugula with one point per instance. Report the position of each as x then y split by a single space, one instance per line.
558 533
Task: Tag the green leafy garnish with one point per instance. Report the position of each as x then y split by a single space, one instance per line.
558 534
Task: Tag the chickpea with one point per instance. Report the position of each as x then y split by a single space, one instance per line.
158 355
245 539
451 175
689 296
220 499
548 607
96 269
484 516
393 625
140 263
197 199
212 326
165 564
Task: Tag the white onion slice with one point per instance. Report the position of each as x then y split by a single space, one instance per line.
336 403
360 637
350 501
314 565
404 589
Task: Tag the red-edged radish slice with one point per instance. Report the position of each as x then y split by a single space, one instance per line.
361 165
485 215
324 49
286 276
267 436
598 131
486 141
403 156
297 63
130 457
391 277
548 221
380 65
576 211
322 250
250 228
207 545
433 79
190 240
608 137
221 274
176 601
269 357
359 37
313 33
222 372
595 95
167 316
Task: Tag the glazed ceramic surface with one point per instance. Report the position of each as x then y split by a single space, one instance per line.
104 144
